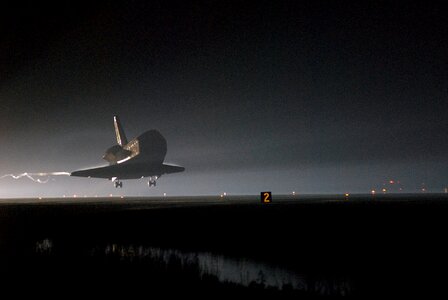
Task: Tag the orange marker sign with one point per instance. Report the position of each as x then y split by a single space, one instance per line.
266 197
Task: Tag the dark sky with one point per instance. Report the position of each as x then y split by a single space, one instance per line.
305 96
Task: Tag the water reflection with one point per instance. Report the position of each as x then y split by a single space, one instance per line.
241 271
44 246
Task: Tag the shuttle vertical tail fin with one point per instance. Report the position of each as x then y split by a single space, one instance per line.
119 132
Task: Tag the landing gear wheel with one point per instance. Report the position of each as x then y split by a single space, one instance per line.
118 184
152 181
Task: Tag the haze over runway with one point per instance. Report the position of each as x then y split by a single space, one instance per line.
305 96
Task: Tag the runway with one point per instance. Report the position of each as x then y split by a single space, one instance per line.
206 200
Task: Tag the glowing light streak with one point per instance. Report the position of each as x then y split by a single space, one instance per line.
32 176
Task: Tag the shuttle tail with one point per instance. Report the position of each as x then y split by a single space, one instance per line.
119 132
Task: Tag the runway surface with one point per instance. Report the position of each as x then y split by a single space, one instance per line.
296 245
170 201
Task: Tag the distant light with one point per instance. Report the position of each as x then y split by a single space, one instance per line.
293 193
40 198
384 190
74 196
110 195
373 192
446 190
122 197
164 194
391 181
221 195
347 194
225 194
63 196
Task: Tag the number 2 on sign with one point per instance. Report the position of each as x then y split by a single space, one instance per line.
266 197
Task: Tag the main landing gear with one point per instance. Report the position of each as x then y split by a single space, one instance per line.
118 184
152 181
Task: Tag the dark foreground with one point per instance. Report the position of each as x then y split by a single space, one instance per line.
294 247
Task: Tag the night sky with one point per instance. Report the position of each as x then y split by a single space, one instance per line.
304 96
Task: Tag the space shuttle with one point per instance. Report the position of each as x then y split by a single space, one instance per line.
141 157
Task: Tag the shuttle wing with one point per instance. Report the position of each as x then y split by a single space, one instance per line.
128 170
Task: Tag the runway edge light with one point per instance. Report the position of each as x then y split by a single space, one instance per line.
266 197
